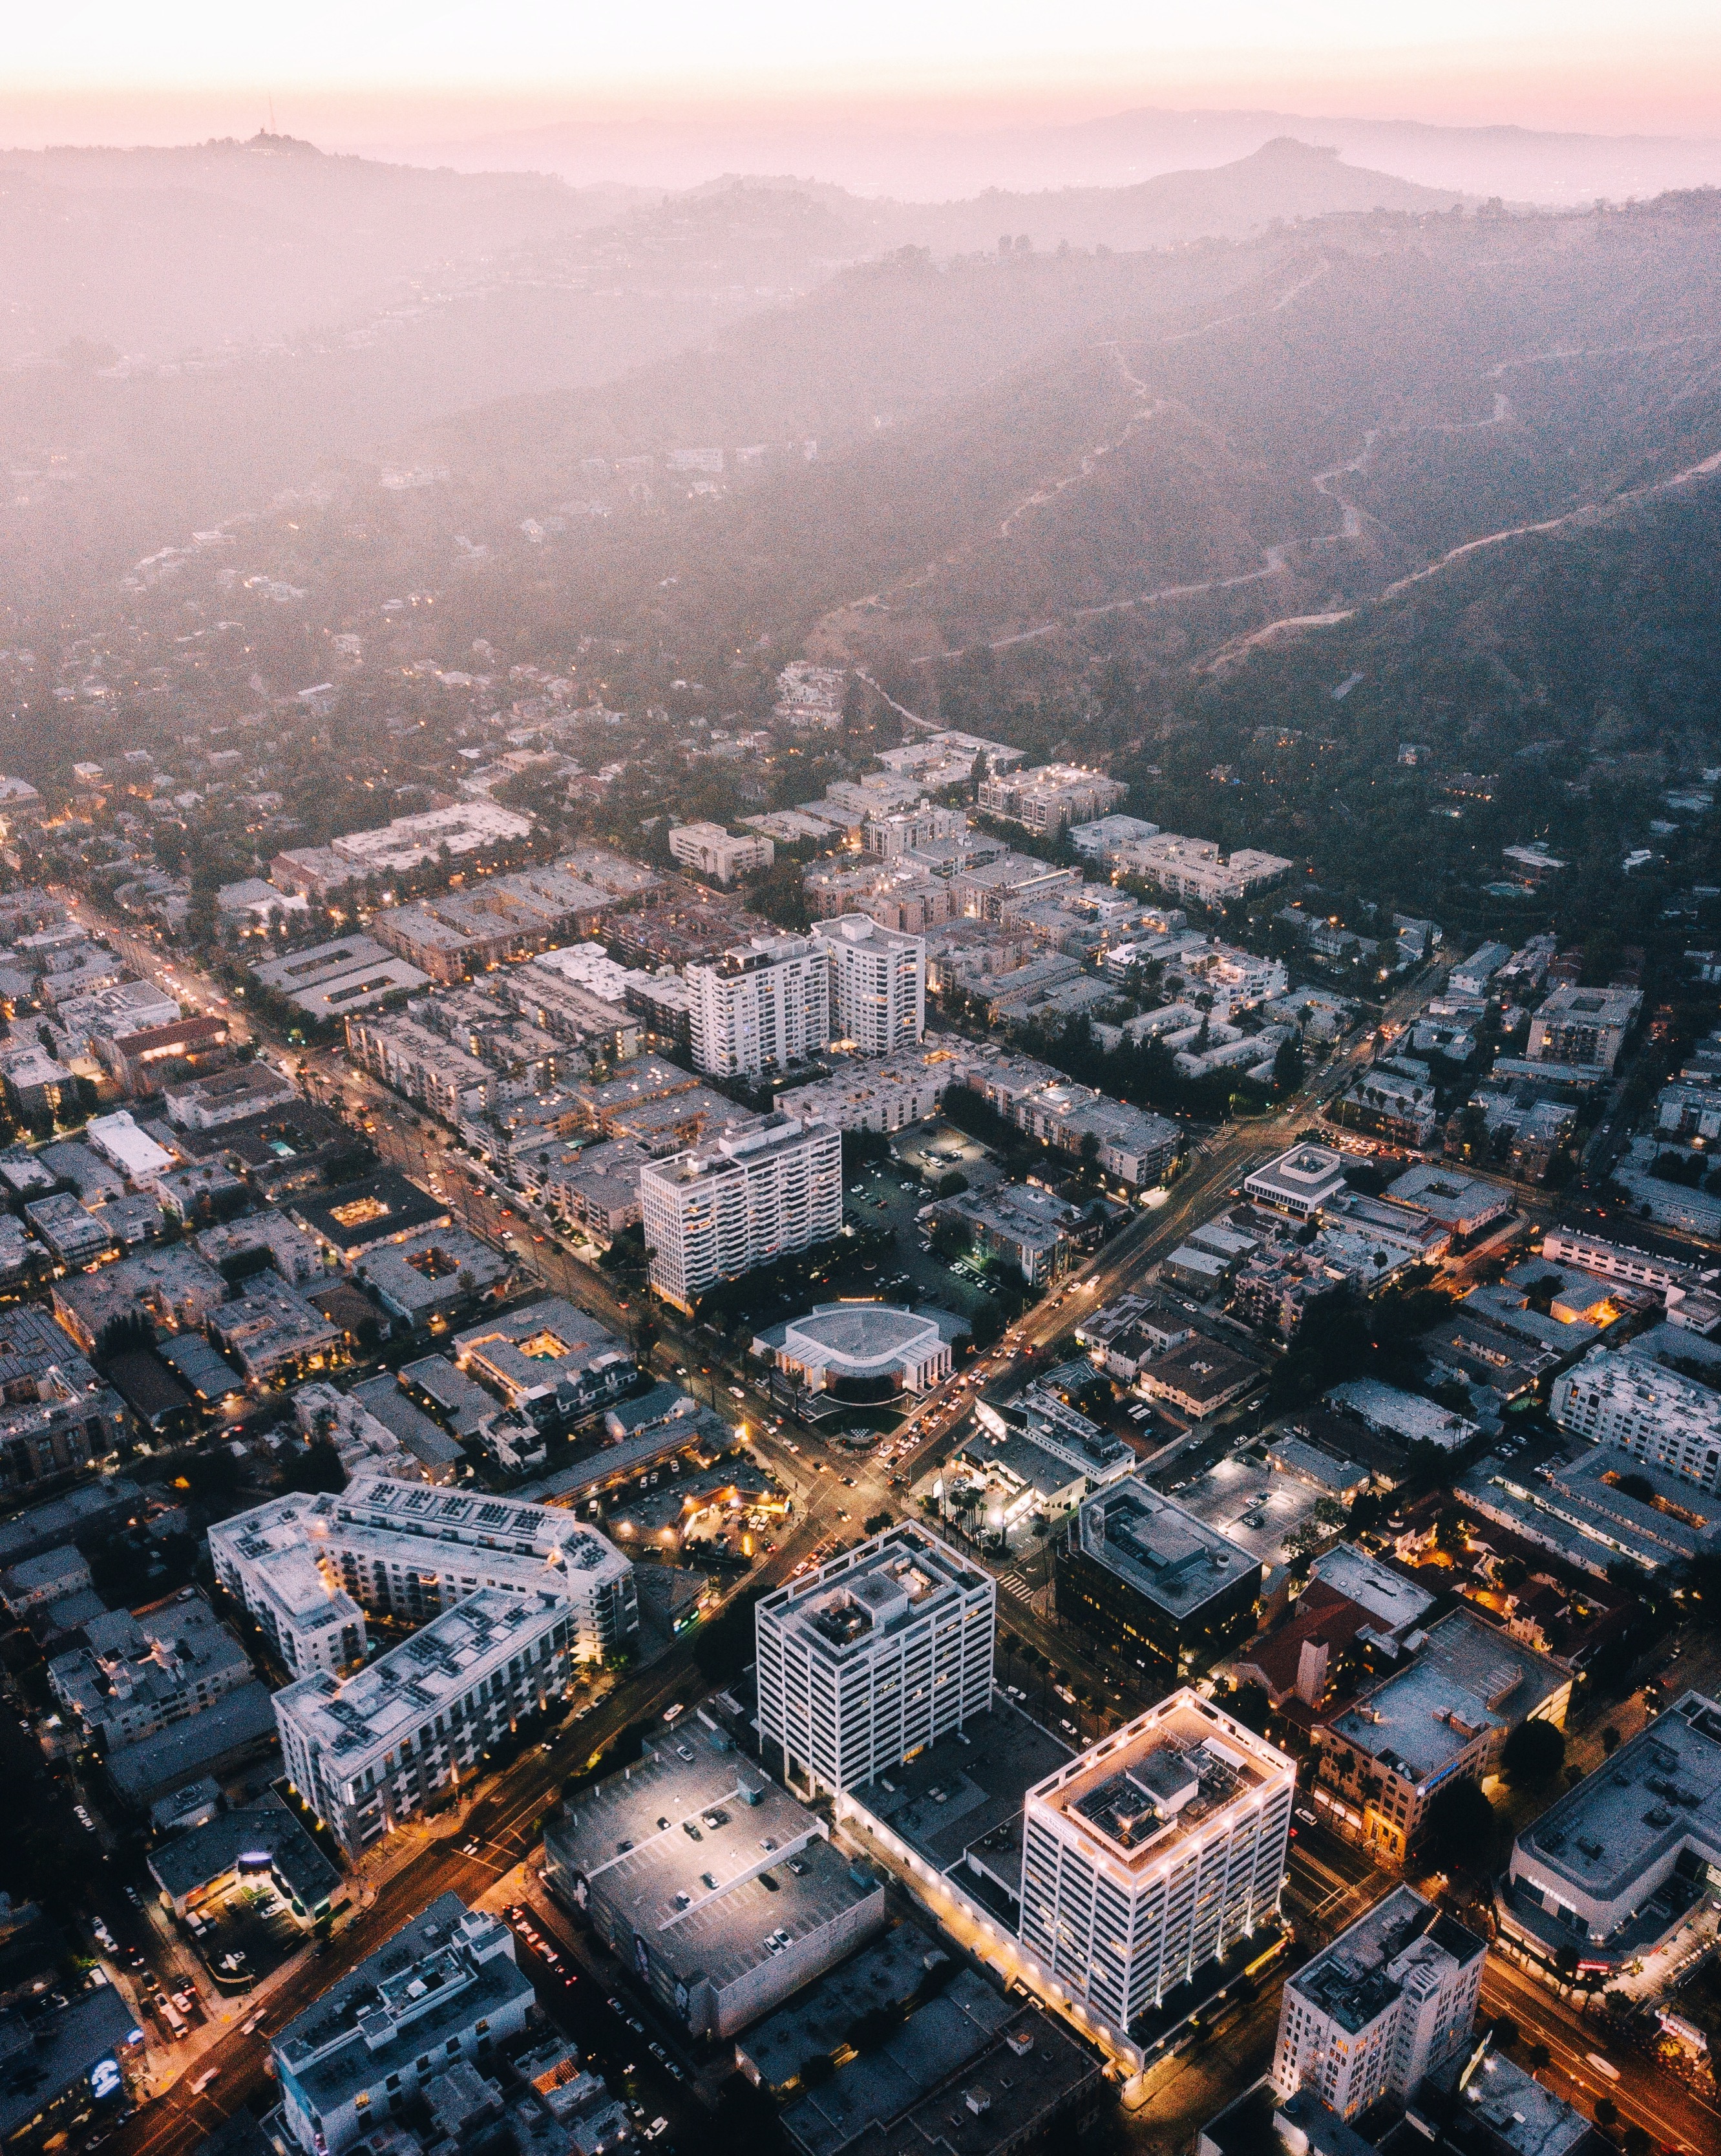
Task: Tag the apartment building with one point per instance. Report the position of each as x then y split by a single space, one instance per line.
709 850
883 1093
1445 1715
1196 869
872 1656
1153 1854
888 834
1158 1585
765 1006
1584 1025
137 1674
1590 1254
878 989
733 1204
1633 1402
394 1739
1051 797
405 1550
1392 2000
441 1989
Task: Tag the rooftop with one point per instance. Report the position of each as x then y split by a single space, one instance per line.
259 1837
862 1339
434 1977
1468 1678
1158 1547
1392 1601
900 1575
1660 1788
1140 1792
682 1844
1368 1967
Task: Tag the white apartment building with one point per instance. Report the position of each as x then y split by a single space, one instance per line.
709 850
441 1991
764 1006
878 984
890 834
1648 1411
870 1657
1153 1854
1195 868
1390 2001
392 1740
884 1094
408 1551
725 1207
1052 796
1589 1254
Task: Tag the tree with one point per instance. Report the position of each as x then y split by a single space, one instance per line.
1288 1066
1534 1752
1504 2032
1459 1833
1610 1740
1539 2058
877 1523
1607 2112
312 1467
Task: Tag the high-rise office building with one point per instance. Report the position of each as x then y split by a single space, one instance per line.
872 1657
1390 2001
878 985
723 1208
763 1006
1152 1854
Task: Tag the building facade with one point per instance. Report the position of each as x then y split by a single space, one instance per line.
1153 1854
724 1207
1647 1410
878 984
873 1655
1160 1587
1392 2000
766 1006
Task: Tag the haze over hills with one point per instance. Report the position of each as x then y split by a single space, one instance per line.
930 163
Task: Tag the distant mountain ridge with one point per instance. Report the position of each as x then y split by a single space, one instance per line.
1118 149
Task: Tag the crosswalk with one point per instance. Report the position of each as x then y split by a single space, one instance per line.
1013 1583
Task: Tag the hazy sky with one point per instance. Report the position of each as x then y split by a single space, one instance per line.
101 65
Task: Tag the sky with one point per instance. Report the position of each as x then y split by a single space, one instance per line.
115 70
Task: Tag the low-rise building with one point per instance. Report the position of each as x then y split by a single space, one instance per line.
442 1987
709 850
703 1875
272 1333
1464 1204
1633 1403
1157 1585
433 1273
1392 2000
550 1359
863 1351
1051 797
76 1235
883 1093
1616 1865
211 1102
1200 1376
136 1673
1584 1025
1027 1225
243 1848
1299 1182
1196 869
1385 1759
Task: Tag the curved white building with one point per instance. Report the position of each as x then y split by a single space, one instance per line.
863 1351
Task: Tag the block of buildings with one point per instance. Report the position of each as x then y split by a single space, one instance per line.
57 1416
1446 1715
1157 1585
709 850
135 1674
871 1656
259 1842
1197 870
1152 1854
395 1738
1051 797
272 1333
1633 1404
1027 1226
1391 2000
1407 1415
304 1565
716 1887
734 1203
469 830
1135 1146
1584 1026
863 1351
1613 1868
442 1987
174 1287
1464 1204
764 1006
550 1359
1200 1376
209 1103
431 1273
883 1093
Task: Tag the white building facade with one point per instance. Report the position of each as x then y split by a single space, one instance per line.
720 1210
878 984
1652 1413
874 1655
1153 1854
1389 2001
763 1007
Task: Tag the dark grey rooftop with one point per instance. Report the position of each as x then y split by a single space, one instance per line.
1160 1547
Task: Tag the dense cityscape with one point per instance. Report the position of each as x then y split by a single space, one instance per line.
926 1465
